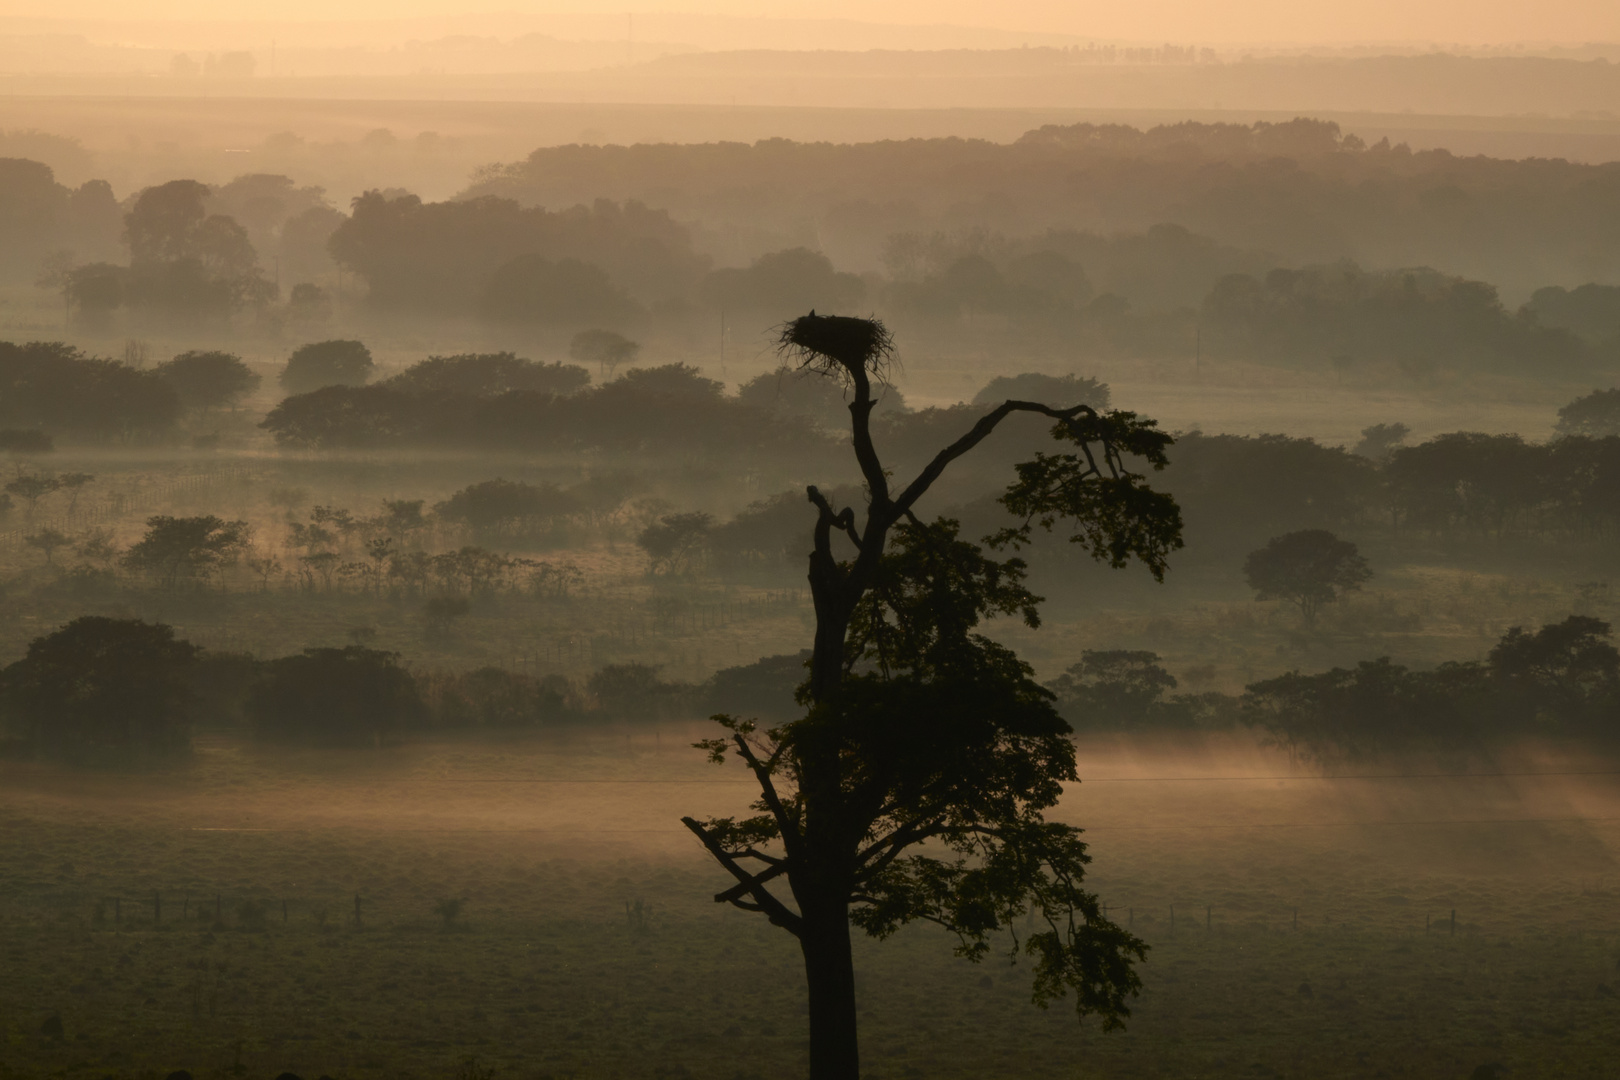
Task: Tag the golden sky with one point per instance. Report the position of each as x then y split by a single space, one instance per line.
1182 21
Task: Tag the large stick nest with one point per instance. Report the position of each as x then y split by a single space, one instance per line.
838 344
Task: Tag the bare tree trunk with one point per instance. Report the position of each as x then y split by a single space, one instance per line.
829 968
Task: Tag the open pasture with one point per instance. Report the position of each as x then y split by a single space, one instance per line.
1312 930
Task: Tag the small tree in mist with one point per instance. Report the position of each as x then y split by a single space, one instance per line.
48 542
676 543
917 729
32 487
607 349
441 613
186 549
1309 568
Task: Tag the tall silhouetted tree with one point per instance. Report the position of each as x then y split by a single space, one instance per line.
1309 568
919 730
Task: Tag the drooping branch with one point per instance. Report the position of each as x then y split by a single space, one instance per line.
752 885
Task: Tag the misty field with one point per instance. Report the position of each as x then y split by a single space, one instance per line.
1312 926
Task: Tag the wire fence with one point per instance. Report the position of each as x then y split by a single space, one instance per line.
105 511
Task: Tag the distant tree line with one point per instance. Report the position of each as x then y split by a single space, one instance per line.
119 692
654 410
1562 680
1302 190
106 691
1238 491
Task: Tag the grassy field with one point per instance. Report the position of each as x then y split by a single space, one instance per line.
1312 931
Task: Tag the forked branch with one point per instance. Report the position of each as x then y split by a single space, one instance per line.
752 885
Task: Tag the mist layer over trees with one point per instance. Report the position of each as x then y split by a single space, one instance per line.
306 500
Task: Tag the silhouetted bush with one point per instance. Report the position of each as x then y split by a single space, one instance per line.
635 692
353 696
326 363
487 375
494 698
762 690
55 388
204 380
103 691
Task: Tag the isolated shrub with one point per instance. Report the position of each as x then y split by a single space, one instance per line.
101 690
326 363
351 696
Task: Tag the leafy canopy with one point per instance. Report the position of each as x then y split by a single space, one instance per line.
944 738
